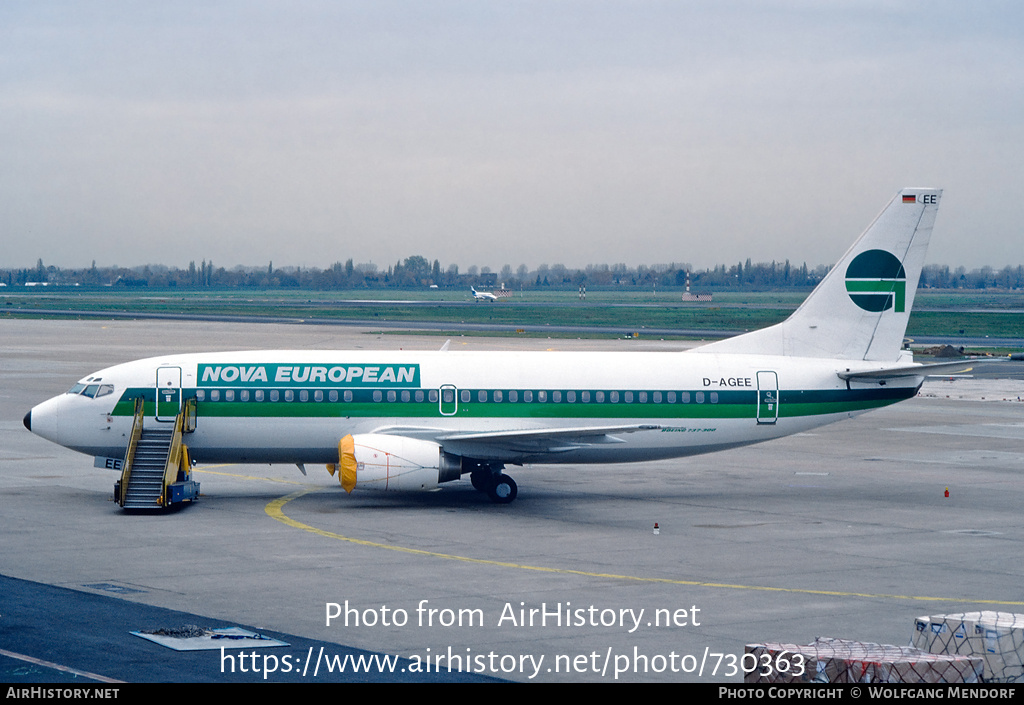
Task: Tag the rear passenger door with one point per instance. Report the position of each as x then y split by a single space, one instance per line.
767 397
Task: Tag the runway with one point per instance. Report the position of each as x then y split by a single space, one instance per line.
845 531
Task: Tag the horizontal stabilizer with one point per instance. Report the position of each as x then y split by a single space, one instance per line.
958 367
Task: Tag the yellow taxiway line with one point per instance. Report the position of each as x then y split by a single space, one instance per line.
275 509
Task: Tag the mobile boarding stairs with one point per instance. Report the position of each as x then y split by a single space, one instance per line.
157 471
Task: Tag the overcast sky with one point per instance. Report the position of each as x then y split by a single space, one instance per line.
492 133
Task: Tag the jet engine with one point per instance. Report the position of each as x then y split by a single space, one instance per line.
382 462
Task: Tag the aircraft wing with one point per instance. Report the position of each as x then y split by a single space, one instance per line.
510 445
960 366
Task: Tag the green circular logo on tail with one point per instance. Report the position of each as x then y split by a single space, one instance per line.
876 281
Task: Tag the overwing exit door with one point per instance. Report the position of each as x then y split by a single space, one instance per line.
449 401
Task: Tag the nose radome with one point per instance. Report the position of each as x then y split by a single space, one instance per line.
28 421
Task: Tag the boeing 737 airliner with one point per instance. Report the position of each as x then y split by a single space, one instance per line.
414 420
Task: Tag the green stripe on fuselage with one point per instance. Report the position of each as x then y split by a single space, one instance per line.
730 404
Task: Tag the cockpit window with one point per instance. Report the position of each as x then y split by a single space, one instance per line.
92 390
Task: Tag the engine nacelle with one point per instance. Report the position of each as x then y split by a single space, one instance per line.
382 462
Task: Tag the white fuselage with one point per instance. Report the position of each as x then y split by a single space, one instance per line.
294 406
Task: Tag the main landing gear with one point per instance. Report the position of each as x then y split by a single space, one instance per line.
499 487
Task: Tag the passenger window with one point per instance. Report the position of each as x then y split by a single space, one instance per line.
243 395
348 395
332 395
229 395
513 396
599 396
628 397
392 396
497 395
466 395
419 395
275 395
714 397
585 397
685 397
614 397
657 397
289 395
318 395
406 396
304 395
481 396
200 394
432 396
556 396
377 395
527 396
259 395
700 397
570 397
642 396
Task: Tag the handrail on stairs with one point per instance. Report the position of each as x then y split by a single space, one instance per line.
177 458
133 442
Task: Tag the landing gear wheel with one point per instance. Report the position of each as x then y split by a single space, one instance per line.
481 480
504 490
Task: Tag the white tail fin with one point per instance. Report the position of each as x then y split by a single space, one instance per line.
859 311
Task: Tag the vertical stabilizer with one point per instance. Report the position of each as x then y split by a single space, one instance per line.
859 311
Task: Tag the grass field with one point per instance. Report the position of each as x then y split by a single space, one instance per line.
937 313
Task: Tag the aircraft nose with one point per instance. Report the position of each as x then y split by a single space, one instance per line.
28 421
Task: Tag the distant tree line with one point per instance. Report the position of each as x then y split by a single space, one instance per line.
419 272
